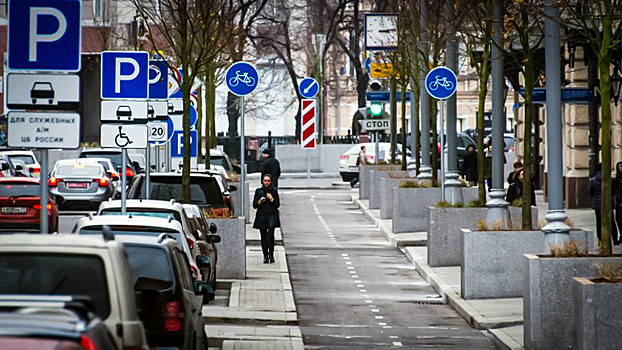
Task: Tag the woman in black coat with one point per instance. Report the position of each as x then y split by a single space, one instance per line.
266 201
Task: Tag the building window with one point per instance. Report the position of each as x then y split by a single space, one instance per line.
97 8
3 8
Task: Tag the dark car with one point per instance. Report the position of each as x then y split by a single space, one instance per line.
20 200
55 322
169 301
115 156
204 191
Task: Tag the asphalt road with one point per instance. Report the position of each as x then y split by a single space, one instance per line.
353 290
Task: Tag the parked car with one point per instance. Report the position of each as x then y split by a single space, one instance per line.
140 226
225 188
77 184
347 161
169 300
207 239
115 156
89 268
153 208
139 161
67 323
26 156
220 158
20 200
111 172
204 191
508 139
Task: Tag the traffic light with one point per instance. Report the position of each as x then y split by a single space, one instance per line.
375 109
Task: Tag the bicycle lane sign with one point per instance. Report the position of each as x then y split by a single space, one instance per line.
441 83
242 78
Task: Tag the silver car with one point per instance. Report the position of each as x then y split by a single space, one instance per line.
77 184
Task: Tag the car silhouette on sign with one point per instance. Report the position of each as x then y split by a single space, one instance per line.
42 90
124 111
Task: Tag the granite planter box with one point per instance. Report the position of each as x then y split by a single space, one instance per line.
548 303
444 237
375 190
598 314
232 247
492 261
236 196
387 183
366 181
410 206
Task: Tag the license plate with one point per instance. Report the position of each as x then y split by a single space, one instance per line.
77 184
13 210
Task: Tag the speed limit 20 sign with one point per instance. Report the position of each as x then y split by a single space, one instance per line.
158 131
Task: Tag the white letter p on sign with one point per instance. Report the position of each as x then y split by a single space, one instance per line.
35 37
118 77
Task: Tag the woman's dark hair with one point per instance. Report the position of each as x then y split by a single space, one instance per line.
266 175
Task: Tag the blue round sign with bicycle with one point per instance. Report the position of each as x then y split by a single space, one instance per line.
242 78
441 83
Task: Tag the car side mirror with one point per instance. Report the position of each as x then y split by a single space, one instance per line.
202 288
5 166
198 234
113 176
137 166
232 188
237 169
213 228
214 238
202 261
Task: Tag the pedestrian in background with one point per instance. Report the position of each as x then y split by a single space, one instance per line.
266 201
360 160
469 165
518 167
271 166
515 191
488 167
594 190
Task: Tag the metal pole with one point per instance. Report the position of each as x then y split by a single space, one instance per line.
442 126
497 206
555 229
124 180
157 158
43 178
167 157
308 165
148 170
377 148
412 165
426 170
242 158
451 175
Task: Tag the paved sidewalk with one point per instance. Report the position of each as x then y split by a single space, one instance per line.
502 318
258 312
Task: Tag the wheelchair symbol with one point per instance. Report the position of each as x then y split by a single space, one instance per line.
121 139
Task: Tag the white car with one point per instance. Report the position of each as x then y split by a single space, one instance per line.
138 225
26 156
347 161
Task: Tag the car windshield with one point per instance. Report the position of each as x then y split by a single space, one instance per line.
203 190
132 231
20 189
222 161
56 274
148 262
24 158
115 158
88 170
151 212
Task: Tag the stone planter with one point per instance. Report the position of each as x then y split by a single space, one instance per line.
376 192
232 247
492 261
364 180
548 304
387 183
236 196
598 314
444 237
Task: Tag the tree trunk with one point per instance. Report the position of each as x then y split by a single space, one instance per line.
210 114
527 123
604 61
484 75
233 113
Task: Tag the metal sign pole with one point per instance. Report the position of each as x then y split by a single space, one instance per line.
148 169
377 150
308 165
157 158
124 180
43 178
242 158
442 155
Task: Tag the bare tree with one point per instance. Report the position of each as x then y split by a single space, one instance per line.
193 32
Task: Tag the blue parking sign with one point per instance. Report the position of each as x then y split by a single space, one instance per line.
177 143
44 35
158 80
125 75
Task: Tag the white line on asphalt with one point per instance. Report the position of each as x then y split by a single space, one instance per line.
352 271
348 262
355 276
363 290
393 337
344 254
357 281
368 301
379 317
382 323
350 267
360 285
375 310
387 327
397 343
346 258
